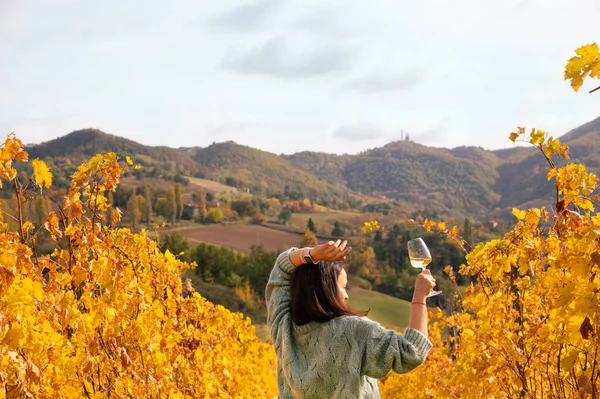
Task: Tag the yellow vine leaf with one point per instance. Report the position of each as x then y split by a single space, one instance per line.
532 218
41 172
370 226
453 232
129 161
537 136
520 214
585 63
28 226
52 226
441 227
13 150
467 332
428 224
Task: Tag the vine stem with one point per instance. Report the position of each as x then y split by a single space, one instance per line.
20 217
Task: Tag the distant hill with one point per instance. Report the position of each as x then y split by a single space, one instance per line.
524 182
463 181
433 178
88 142
265 173
65 153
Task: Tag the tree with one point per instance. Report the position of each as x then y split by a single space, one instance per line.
362 263
274 206
177 244
147 211
161 206
201 198
214 215
285 215
134 208
311 226
337 230
308 239
258 218
209 196
243 207
178 200
41 210
171 209
231 181
468 232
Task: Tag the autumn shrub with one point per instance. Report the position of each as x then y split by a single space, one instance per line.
105 315
528 325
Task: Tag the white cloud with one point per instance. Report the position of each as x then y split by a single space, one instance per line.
397 64
275 59
247 16
384 83
361 131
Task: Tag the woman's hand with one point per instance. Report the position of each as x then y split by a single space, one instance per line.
330 251
423 285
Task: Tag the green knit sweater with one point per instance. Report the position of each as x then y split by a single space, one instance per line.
341 358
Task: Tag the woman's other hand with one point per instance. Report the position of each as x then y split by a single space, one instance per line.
330 251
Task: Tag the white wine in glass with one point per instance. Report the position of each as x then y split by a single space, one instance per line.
420 257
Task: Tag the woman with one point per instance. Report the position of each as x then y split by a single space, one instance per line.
324 348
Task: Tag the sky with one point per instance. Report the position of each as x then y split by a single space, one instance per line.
292 75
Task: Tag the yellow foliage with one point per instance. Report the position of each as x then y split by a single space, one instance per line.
529 324
106 313
428 224
42 174
585 63
370 226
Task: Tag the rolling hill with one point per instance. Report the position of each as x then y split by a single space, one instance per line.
463 181
265 173
523 181
83 144
65 153
245 168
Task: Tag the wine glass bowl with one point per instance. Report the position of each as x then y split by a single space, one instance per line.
419 256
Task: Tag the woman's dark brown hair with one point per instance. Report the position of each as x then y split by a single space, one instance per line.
315 295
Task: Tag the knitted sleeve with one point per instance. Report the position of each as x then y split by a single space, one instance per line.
386 350
278 293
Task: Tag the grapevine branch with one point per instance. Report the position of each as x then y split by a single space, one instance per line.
20 217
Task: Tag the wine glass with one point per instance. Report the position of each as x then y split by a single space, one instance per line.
420 257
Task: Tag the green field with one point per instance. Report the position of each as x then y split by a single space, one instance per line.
390 312
387 310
